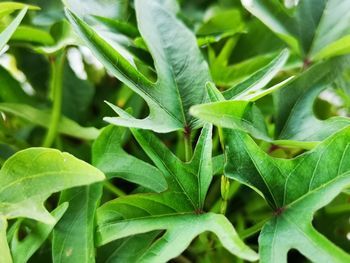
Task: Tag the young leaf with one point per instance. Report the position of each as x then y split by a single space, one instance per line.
22 250
257 81
295 189
11 28
30 176
177 60
109 156
177 210
7 8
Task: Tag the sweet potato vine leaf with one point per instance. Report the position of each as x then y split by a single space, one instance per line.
109 156
30 176
181 69
6 34
295 189
294 100
178 211
312 28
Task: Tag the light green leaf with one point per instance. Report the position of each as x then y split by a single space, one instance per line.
241 115
294 104
42 118
181 229
109 156
106 8
6 34
337 48
177 61
7 8
22 250
32 35
218 26
295 189
333 34
177 210
73 236
30 176
4 248
259 79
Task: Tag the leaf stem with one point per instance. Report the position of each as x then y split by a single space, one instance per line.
4 248
253 229
188 144
56 86
113 189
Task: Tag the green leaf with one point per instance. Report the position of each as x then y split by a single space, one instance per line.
42 118
311 28
30 176
181 229
109 156
126 250
217 24
73 236
7 8
294 104
259 79
32 35
22 250
6 34
177 210
332 37
177 61
106 8
295 189
241 115
4 248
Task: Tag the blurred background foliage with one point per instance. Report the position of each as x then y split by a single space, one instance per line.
235 43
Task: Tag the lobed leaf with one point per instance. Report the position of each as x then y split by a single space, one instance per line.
177 59
109 156
295 189
30 176
177 210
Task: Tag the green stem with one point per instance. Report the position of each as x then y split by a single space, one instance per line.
113 189
188 145
5 253
56 86
253 229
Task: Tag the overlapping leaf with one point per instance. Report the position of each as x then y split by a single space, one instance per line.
30 176
182 72
6 34
312 28
113 161
294 104
294 100
178 211
295 189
